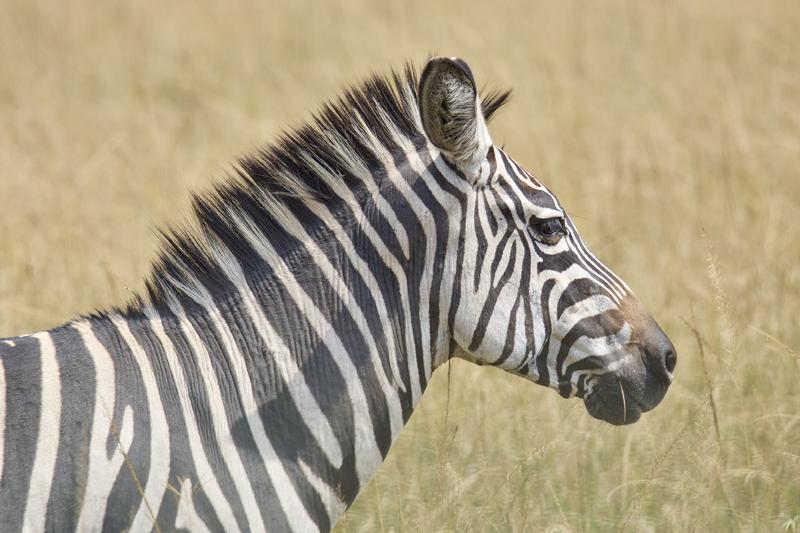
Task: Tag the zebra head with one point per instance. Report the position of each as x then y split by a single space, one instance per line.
530 296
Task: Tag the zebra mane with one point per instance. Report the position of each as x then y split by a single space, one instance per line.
278 187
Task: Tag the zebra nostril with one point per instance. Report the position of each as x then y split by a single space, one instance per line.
670 360
660 355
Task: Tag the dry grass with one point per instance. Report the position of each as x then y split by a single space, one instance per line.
671 131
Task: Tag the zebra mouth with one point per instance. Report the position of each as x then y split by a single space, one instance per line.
614 402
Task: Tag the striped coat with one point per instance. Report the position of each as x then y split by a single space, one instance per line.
284 339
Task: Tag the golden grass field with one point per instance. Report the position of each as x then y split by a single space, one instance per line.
670 131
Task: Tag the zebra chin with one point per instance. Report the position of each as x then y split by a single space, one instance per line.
621 398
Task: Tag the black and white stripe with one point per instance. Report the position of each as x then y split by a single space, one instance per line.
282 345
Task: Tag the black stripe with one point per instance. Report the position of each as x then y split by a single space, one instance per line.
245 338
78 385
198 395
442 221
493 295
525 293
593 265
480 240
279 413
181 463
541 360
124 498
363 297
523 298
508 345
414 269
455 299
593 327
23 374
577 291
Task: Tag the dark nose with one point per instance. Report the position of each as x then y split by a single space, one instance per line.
659 354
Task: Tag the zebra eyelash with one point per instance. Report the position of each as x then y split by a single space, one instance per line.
544 234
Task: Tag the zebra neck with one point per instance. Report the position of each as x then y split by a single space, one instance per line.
315 364
337 340
278 390
279 375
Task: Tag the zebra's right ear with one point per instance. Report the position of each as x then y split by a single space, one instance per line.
451 113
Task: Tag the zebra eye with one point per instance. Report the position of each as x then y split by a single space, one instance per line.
551 229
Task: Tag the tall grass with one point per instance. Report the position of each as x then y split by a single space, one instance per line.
669 129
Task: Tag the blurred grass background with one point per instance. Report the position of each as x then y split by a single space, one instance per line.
669 129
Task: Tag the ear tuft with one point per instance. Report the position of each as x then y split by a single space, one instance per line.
493 100
451 112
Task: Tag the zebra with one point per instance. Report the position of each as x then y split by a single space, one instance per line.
284 337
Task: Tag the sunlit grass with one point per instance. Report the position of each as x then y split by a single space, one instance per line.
670 131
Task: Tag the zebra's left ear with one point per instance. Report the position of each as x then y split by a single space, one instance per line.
451 113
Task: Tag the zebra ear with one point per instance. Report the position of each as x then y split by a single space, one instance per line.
451 113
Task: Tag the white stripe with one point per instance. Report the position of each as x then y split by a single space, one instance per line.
446 200
393 265
471 297
386 320
345 241
505 258
346 297
531 209
158 474
102 470
334 506
602 347
186 517
499 320
291 374
47 438
293 508
368 455
562 281
425 217
356 166
202 466
619 286
455 215
219 419
413 201
599 277
590 307
618 283
10 343
593 307
588 263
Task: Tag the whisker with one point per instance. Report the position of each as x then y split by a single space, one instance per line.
624 403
